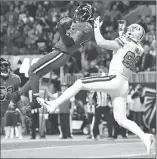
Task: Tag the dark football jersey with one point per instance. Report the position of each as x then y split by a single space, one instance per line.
10 85
84 27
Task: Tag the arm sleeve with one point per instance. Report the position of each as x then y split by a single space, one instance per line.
71 40
18 82
121 41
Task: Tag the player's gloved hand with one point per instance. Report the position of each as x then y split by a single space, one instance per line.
121 26
65 23
25 109
97 23
15 97
27 121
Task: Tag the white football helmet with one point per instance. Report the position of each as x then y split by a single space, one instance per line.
135 32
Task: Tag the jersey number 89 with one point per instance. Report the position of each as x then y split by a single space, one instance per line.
130 60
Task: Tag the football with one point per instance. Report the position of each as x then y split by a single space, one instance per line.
66 22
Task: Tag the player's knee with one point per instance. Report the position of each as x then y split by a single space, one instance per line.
31 73
78 84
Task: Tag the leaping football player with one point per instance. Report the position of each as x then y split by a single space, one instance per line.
127 51
74 33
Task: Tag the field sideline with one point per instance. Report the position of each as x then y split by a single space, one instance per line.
78 147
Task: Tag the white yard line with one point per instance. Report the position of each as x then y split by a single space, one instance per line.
71 146
123 155
3 141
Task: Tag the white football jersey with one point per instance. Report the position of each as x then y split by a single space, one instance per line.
126 57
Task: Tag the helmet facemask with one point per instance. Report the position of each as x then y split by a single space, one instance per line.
135 32
84 13
5 69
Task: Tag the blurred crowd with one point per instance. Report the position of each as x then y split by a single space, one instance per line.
29 27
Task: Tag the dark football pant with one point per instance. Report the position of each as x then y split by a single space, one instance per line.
98 116
64 122
35 123
118 130
44 65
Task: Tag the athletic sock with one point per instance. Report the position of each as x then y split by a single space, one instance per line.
35 95
7 131
133 127
25 88
12 132
16 132
69 93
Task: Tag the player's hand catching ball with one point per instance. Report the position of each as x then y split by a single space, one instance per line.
97 23
65 23
121 26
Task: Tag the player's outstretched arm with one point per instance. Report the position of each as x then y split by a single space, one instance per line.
66 34
101 42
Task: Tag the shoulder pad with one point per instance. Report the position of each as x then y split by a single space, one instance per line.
16 77
122 40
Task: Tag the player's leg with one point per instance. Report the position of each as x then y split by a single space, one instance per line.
119 110
12 124
19 126
97 122
102 84
44 65
6 125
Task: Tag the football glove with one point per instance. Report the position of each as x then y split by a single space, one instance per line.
64 23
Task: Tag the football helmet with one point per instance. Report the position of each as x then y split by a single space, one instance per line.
4 67
135 32
84 13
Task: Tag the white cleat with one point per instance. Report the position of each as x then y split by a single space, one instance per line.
47 104
150 144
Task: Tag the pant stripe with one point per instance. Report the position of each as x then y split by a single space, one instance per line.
98 79
48 63
94 77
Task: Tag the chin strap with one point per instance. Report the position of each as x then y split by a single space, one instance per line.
4 74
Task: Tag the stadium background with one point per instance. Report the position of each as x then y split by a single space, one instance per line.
28 31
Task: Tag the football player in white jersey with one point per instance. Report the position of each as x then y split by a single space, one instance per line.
127 50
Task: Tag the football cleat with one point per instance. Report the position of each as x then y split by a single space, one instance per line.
34 104
47 104
150 144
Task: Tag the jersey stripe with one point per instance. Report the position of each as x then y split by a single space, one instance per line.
48 62
119 41
98 79
142 34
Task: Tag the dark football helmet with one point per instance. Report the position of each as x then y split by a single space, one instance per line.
84 13
4 67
